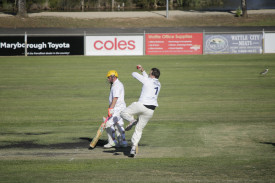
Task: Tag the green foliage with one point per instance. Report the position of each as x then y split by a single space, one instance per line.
75 4
238 12
145 3
35 4
201 3
7 4
54 4
65 4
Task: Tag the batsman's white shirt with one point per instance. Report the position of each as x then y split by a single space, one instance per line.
117 90
150 89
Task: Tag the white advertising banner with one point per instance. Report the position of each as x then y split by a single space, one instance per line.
114 45
233 43
269 43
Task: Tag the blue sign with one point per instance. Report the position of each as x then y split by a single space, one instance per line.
233 44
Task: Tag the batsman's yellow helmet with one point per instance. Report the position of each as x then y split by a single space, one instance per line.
112 73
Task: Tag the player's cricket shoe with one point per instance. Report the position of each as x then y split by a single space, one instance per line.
133 151
129 127
110 145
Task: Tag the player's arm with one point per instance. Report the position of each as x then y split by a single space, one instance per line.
144 74
139 77
111 107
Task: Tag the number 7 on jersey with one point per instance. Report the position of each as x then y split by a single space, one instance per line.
157 89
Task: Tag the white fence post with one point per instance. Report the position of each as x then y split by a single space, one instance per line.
203 34
263 41
144 43
84 43
26 44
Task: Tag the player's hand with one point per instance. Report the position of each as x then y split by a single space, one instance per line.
110 112
139 67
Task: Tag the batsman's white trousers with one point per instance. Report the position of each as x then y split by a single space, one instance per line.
116 122
144 115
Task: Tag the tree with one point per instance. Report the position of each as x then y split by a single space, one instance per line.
82 5
244 8
21 8
155 4
171 4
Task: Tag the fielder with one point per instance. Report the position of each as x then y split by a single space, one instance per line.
116 105
144 107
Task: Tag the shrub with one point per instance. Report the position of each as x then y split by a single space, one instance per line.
238 12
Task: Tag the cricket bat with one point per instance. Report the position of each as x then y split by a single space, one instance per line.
99 133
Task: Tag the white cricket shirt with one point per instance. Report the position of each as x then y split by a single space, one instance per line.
117 90
150 89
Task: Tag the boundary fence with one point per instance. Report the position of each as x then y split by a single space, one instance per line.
259 42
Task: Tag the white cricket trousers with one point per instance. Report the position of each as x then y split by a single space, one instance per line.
144 115
115 122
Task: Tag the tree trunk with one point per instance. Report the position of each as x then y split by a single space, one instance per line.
244 9
155 4
22 9
82 5
99 4
15 6
171 4
113 5
47 5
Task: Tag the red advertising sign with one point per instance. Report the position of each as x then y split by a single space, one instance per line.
174 44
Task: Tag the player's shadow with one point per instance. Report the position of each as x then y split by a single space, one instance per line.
269 143
100 142
119 150
115 151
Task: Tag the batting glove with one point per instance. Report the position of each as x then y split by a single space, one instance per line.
110 112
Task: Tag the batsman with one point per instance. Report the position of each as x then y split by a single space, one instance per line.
114 126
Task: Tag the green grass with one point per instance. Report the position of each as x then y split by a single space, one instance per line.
215 122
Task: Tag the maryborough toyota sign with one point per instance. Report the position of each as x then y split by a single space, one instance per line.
12 45
42 45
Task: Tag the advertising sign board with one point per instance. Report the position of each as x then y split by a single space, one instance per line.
269 43
233 44
114 45
12 45
43 45
174 44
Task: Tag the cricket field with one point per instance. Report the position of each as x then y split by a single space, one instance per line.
215 121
